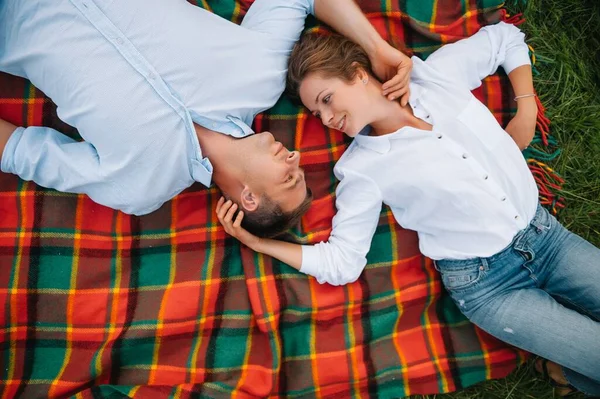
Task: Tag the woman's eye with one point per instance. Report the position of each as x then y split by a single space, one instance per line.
326 99
288 179
318 115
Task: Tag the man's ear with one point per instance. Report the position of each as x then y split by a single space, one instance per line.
249 201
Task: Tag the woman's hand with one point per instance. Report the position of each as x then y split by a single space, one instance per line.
233 227
522 127
393 68
284 251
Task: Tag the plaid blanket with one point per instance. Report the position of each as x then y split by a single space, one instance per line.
96 303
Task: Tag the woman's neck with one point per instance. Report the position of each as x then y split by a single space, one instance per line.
392 116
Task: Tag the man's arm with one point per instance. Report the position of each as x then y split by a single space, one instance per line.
283 21
6 130
389 64
347 18
53 160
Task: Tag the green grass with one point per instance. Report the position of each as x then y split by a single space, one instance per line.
566 37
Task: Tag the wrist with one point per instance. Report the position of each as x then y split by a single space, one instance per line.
527 106
375 46
258 245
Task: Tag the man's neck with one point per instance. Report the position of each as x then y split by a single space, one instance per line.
220 149
211 142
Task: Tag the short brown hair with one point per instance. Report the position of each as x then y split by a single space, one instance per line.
330 55
269 220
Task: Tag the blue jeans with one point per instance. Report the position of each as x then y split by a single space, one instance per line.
540 294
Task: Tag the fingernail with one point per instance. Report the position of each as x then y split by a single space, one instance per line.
392 98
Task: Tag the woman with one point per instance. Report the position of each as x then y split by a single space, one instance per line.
449 171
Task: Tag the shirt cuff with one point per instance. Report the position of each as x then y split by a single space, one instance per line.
202 171
310 260
516 58
7 165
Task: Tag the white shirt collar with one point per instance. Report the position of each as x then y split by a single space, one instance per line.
381 144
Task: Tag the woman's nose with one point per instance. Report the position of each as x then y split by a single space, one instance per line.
327 118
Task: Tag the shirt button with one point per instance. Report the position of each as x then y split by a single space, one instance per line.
439 136
503 199
214 125
119 40
516 217
481 268
151 76
486 177
465 156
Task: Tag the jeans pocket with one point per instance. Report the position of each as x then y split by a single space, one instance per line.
458 280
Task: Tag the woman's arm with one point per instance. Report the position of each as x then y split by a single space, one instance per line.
341 259
284 251
283 20
522 126
468 61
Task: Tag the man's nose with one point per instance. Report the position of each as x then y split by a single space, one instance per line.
269 136
293 158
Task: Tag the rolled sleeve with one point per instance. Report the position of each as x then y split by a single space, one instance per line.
310 260
282 20
342 258
470 60
8 165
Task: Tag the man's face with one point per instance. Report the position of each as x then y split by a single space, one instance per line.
272 170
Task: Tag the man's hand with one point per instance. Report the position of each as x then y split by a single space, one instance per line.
522 127
393 68
233 227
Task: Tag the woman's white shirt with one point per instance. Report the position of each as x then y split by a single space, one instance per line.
464 187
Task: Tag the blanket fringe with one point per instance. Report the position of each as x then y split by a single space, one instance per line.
543 147
516 19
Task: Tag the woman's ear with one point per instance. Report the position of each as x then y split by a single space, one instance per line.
249 201
361 75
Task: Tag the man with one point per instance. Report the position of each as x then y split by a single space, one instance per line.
163 92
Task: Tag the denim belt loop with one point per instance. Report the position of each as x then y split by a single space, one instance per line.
538 220
484 264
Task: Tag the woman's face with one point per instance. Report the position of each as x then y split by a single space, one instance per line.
339 104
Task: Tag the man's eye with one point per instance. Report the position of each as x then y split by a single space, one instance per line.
318 115
289 179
